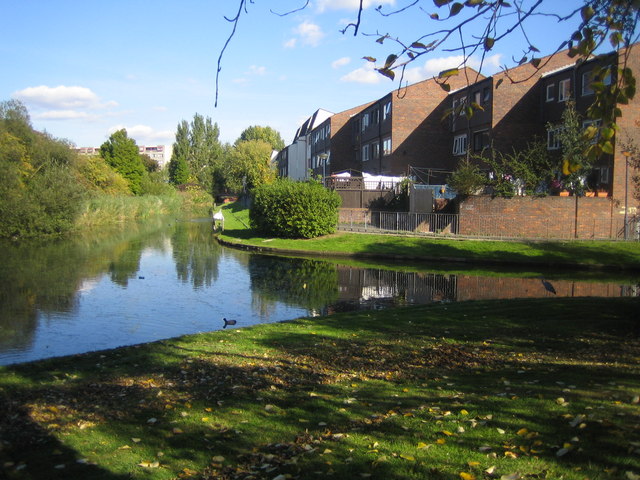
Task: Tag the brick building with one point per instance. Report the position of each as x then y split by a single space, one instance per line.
423 127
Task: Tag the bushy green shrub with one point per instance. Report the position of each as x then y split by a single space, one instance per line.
291 209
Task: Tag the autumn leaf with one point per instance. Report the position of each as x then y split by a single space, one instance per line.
466 476
149 464
407 457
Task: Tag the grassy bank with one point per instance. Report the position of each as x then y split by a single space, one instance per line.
620 255
106 210
526 389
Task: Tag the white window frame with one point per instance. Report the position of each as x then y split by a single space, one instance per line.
553 142
365 121
386 111
460 143
386 146
564 90
365 153
551 92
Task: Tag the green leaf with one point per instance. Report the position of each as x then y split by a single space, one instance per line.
499 82
472 3
615 39
440 3
488 43
607 147
448 73
435 16
369 59
390 59
476 106
387 73
445 86
586 13
418 45
535 62
607 133
456 8
381 40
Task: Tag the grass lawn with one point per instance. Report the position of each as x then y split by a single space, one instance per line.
525 389
619 255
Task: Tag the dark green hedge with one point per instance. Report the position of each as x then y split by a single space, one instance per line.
291 209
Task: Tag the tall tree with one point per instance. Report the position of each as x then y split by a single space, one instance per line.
247 165
267 134
121 152
178 166
195 152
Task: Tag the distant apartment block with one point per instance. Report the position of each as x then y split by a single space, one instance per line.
158 152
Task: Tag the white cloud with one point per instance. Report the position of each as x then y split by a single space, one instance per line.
341 62
160 108
63 115
434 66
146 135
364 74
308 33
61 97
256 70
322 5
291 43
430 68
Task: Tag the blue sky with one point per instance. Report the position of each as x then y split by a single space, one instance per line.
85 68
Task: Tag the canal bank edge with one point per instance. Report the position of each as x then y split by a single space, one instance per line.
363 255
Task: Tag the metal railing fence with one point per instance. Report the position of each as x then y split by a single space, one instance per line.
488 226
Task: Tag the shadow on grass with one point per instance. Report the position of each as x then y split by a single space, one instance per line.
345 395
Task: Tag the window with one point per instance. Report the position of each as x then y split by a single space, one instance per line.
375 116
564 90
365 153
365 121
386 111
386 146
595 123
480 140
486 96
460 144
603 175
553 142
463 106
375 150
587 78
477 97
551 92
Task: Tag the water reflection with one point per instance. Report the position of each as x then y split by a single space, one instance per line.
143 283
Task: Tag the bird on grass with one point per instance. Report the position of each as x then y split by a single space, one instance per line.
548 287
228 322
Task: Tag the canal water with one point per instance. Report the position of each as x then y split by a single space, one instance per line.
161 280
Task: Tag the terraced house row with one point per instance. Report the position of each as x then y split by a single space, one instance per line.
424 130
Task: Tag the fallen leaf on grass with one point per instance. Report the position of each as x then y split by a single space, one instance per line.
511 476
407 457
149 464
466 476
218 459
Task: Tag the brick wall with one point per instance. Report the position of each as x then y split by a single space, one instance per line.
549 217
629 125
